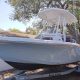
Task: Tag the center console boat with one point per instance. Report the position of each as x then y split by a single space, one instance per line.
51 48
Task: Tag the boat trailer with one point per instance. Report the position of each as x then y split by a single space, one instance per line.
38 74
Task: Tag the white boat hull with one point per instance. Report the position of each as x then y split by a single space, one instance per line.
31 51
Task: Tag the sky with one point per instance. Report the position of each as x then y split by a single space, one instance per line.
5 23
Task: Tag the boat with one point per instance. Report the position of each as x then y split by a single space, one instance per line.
51 48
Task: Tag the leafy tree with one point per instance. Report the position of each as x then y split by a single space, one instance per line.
32 31
24 9
14 30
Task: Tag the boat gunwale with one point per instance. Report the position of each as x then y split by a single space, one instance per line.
34 41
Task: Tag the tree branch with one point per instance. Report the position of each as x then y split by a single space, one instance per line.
49 3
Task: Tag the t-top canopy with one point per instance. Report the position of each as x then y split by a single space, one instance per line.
55 15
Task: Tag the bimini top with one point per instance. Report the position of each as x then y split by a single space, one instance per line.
53 15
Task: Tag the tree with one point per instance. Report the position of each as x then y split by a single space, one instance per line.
25 9
32 31
75 8
14 30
